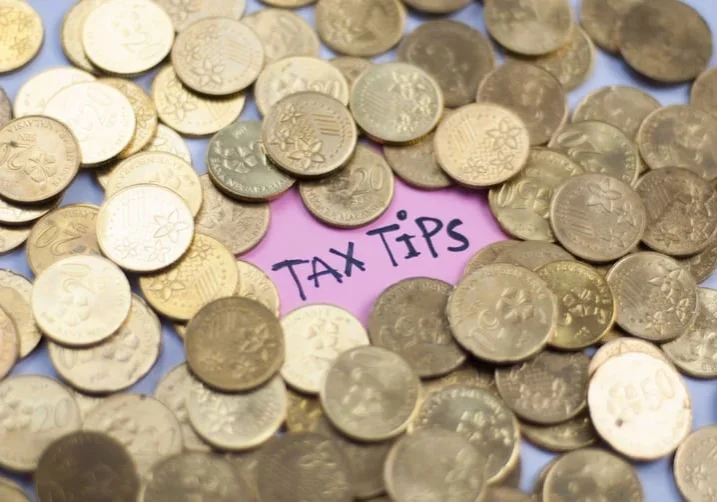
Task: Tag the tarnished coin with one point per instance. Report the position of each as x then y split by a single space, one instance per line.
530 28
87 466
640 406
703 264
351 67
73 25
505 494
396 102
217 56
531 93
703 94
694 469
315 335
457 56
168 141
145 113
576 433
9 341
470 374
357 195
40 157
437 6
532 254
234 344
656 298
601 19
502 313
620 106
238 421
22 35
12 237
35 93
303 412
126 37
680 136
9 492
416 164
482 418
283 34
488 255
256 285
623 345
100 117
144 228
549 389
184 14
5 108
409 318
597 217
370 394
67 231
81 300
409 477
27 402
15 295
653 44
117 363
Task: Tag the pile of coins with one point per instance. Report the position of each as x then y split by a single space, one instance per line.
612 211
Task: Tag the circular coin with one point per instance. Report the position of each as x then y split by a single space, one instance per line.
693 467
145 113
288 3
416 164
12 237
35 93
303 412
437 6
601 19
350 67
73 25
532 254
256 285
184 14
488 255
15 295
703 95
5 108
9 492
9 341
168 141
283 34
505 494
12 213
703 264
574 434
471 374
22 36
623 345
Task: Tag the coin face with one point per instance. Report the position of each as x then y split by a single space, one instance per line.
184 14
283 34
36 411
502 313
303 413
5 108
161 231
350 67
126 37
623 345
416 164
9 342
482 144
145 113
15 294
357 195
256 285
703 95
488 255
505 494
370 394
73 25
23 36
703 264
656 298
576 433
35 93
693 466
234 344
661 49
601 19
168 141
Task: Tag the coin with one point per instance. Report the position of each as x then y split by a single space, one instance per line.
12 237
40 158
234 344
99 116
283 34
256 285
145 113
502 313
620 106
160 232
68 464
9 341
184 14
15 293
73 25
576 433
435 43
640 406
623 345
35 93
288 3
120 361
188 112
597 217
416 164
64 232
36 411
532 254
656 298
482 144
350 67
601 19
5 108
22 38
240 421
370 394
488 255
12 213
409 477
127 37
470 374
693 466
653 44
315 335
703 264
303 412
703 95
505 494
168 141
437 7
9 492
238 225
357 195
86 403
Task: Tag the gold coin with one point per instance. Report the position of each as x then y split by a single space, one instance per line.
24 433
640 406
40 158
470 374
370 394
238 164
521 205
245 463
547 390
360 27
601 19
73 25
620 106
283 34
240 421
146 427
5 108
359 194
351 67
188 112
502 313
655 45
434 43
126 37
529 28
22 36
12 237
437 7
12 213
234 344
416 164
505 494
597 217
144 228
9 492
482 418
396 102
532 254
15 295
656 298
576 433
240 226
703 95
623 345
482 144
694 468
100 117
488 255
303 412
35 93
145 114
166 140
64 232
703 264
256 285
86 403
185 13
298 74
288 3
9 341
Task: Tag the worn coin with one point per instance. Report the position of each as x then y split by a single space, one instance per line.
576 433
36 91
601 19
15 294
470 374
416 164
623 345
693 467
145 113
703 264
303 412
283 34
488 255
185 13
22 35
532 254
350 67
256 285
73 25
5 108
703 94
9 341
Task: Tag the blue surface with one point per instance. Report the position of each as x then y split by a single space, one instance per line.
656 477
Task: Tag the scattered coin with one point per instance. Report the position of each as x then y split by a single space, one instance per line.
12 213
9 492
15 294
576 433
12 238
9 341
73 25
695 456
168 141
288 3
5 108
532 254
488 255
703 264
256 285
20 43
183 14
470 374
35 93
505 494
283 34
601 19
623 345
303 412
351 67
437 7
703 95
145 113
416 164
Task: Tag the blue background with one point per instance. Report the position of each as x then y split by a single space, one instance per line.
656 477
